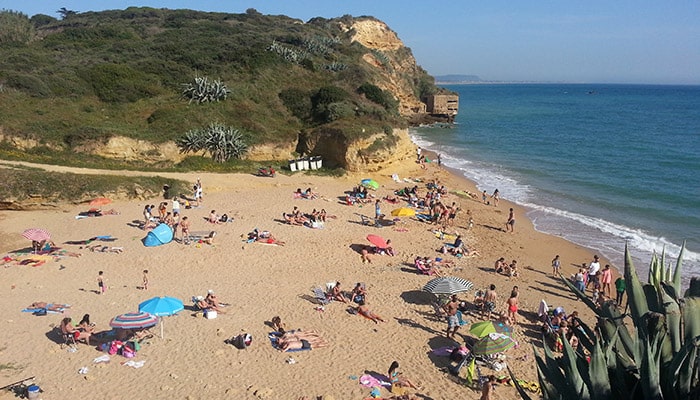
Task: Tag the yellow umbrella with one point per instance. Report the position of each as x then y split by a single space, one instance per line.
403 212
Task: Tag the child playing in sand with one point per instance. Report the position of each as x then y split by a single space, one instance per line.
101 284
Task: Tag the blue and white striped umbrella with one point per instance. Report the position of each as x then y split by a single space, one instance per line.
447 285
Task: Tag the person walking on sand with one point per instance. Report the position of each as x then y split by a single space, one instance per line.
377 212
620 287
593 270
510 224
145 279
512 304
101 283
451 309
496 196
556 264
484 197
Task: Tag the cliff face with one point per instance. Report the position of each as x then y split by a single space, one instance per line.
394 62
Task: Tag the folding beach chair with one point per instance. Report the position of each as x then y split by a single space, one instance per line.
320 296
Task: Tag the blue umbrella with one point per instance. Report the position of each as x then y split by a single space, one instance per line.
162 306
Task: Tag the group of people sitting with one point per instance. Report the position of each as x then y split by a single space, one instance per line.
458 249
315 219
358 194
209 302
81 332
305 194
502 267
428 266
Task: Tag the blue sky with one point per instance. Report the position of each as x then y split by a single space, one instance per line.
547 41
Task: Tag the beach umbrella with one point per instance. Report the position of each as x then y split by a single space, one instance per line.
483 328
493 343
403 212
162 306
36 234
100 201
447 285
139 320
370 184
377 241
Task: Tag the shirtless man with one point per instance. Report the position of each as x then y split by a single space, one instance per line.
512 304
510 224
490 301
451 309
500 265
185 227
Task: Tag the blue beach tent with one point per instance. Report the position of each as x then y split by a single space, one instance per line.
162 234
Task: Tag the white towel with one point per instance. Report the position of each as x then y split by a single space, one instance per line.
542 310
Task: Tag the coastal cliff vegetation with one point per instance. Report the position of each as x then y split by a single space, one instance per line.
124 88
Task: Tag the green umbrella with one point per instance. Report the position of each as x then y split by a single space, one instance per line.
483 328
370 184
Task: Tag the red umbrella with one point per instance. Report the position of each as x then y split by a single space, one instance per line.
377 241
36 234
100 201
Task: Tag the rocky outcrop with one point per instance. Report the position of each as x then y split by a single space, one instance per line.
127 149
392 60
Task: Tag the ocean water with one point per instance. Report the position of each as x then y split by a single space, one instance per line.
600 165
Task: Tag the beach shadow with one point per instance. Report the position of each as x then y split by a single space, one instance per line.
310 299
418 297
55 336
495 228
564 289
413 324
439 359
22 250
562 295
487 269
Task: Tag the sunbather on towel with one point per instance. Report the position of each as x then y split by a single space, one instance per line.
49 307
300 340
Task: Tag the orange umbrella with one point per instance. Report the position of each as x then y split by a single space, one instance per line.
100 201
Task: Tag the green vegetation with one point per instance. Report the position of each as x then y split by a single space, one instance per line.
658 359
21 184
81 79
221 142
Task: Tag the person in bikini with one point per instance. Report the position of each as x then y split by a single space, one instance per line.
512 304
337 293
185 228
363 310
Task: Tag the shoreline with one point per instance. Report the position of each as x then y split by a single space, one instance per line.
263 281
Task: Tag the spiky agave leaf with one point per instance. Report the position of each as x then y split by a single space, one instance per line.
518 387
192 141
636 297
677 272
598 373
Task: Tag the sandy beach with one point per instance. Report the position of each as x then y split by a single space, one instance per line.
262 281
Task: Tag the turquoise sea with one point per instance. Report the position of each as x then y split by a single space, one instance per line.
600 165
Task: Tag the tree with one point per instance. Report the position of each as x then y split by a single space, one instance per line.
65 13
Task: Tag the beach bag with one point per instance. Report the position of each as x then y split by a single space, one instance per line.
128 352
224 218
242 341
114 347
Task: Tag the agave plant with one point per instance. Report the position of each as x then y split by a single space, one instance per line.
221 142
656 360
201 90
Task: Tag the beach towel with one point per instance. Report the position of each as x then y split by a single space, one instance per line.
368 380
424 217
274 336
44 311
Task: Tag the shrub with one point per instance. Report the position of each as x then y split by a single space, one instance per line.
30 84
201 90
15 27
375 94
221 142
119 83
297 102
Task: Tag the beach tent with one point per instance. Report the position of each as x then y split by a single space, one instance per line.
161 234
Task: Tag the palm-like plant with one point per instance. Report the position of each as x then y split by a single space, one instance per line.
657 360
201 90
221 142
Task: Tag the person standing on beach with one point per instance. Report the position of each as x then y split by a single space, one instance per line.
176 205
593 271
490 301
512 304
484 196
606 280
579 281
418 152
496 196
620 287
377 212
451 309
185 227
439 160
510 224
556 264
101 284
145 279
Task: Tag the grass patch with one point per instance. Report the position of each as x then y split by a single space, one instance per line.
21 184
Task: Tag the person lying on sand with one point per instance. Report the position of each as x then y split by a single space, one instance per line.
363 310
300 340
106 249
49 307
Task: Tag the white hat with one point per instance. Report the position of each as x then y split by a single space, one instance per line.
210 291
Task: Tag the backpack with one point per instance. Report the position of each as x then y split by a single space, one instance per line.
241 341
